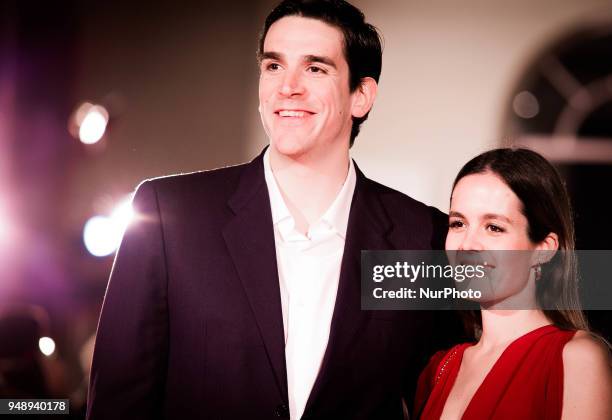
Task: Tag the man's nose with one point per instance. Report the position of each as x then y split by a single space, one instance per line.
292 83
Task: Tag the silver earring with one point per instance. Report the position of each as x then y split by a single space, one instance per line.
538 272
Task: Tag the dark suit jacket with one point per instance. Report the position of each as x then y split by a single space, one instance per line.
191 325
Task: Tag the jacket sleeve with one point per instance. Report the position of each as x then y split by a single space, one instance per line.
130 357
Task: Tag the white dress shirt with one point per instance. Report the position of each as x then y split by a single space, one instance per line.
308 273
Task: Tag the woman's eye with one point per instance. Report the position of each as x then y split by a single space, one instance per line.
495 229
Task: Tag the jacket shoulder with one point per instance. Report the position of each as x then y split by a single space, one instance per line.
403 205
212 183
425 225
209 176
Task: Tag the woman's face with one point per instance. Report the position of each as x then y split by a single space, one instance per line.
485 218
485 214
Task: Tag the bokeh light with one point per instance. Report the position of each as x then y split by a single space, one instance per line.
5 227
93 125
99 236
526 105
102 235
88 123
46 346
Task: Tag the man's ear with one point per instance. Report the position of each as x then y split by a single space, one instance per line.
363 97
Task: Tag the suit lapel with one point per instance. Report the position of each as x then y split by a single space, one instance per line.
250 240
368 228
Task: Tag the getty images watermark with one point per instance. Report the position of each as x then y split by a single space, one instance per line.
411 273
467 279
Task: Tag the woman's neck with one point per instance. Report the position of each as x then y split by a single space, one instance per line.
501 327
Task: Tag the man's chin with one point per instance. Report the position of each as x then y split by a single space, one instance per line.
292 148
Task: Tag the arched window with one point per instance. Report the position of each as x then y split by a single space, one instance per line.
562 107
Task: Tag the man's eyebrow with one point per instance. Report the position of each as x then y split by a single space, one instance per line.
269 55
320 59
311 58
455 214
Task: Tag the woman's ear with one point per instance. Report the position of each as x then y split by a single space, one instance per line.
363 97
546 249
550 243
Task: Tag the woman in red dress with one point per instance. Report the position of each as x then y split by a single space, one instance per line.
527 363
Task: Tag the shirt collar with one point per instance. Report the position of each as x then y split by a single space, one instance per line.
335 217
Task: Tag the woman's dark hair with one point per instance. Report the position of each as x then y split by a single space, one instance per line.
362 42
546 206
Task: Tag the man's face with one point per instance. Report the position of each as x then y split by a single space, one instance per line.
304 97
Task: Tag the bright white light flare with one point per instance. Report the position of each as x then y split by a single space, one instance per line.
102 235
123 214
93 125
46 346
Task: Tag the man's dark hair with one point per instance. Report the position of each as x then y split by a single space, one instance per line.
362 42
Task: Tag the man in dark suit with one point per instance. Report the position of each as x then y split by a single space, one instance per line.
236 292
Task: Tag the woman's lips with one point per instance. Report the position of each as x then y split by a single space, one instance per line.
475 263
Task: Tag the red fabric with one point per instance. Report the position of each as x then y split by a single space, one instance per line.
526 382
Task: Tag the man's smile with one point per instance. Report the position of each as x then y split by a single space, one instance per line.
293 113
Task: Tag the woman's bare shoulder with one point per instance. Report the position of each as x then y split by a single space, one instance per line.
586 349
587 372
